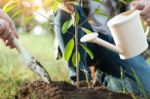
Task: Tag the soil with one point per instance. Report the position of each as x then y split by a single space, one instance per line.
64 90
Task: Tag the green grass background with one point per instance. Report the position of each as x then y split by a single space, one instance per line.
14 73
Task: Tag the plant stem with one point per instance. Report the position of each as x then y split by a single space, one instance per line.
76 51
76 45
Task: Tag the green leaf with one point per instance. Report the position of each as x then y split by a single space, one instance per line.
9 6
74 59
86 74
69 49
86 30
100 12
17 13
88 51
99 1
66 26
123 1
129 1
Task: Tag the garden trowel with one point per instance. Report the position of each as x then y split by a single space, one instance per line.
31 62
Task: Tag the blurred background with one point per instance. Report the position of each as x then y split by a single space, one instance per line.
34 23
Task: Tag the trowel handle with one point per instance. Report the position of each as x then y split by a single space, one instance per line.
17 45
31 62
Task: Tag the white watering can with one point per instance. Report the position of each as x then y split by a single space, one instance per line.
128 34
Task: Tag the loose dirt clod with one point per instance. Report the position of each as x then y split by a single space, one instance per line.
64 90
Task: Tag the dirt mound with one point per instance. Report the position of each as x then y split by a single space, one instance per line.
64 90
43 90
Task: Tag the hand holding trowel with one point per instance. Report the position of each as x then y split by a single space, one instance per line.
8 35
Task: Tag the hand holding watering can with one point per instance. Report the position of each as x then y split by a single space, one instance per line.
128 33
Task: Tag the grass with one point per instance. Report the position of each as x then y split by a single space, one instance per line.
13 72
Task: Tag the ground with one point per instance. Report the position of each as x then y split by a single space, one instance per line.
64 90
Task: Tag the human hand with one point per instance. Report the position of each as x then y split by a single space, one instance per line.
144 6
69 8
7 30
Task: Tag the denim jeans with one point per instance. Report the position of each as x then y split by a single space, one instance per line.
106 61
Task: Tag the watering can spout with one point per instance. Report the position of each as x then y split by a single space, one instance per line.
93 38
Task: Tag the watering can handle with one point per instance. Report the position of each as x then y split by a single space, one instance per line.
147 30
147 27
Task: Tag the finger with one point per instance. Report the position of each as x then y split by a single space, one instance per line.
146 16
10 42
70 8
139 5
7 39
67 7
11 45
15 34
6 34
146 10
13 29
1 32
